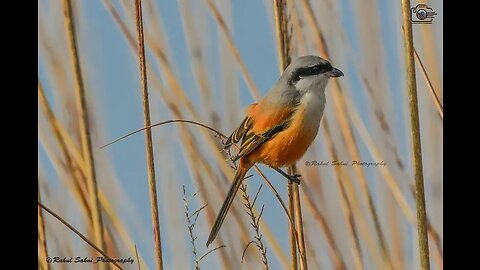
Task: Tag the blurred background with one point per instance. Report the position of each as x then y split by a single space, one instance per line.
207 67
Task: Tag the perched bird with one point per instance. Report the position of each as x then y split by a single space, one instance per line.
278 129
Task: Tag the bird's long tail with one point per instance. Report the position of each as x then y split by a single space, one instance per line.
237 181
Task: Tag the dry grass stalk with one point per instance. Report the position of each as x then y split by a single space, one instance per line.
193 159
78 233
85 135
433 93
416 143
438 255
291 227
191 225
282 203
284 57
148 138
255 224
136 256
197 163
43 251
299 221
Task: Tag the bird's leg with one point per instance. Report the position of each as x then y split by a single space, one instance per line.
295 178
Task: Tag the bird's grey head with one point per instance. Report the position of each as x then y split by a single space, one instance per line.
310 73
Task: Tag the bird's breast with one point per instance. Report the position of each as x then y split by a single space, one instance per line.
291 144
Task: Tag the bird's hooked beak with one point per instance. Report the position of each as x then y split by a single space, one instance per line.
334 73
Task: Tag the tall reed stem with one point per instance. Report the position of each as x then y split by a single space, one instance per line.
148 137
416 144
284 59
85 136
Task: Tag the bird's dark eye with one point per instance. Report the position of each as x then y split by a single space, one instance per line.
310 71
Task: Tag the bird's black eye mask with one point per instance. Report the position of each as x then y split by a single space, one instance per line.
310 71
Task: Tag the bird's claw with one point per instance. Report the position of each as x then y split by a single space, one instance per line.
295 178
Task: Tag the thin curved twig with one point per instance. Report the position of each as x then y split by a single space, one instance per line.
222 136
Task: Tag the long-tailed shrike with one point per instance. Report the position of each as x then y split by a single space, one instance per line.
279 129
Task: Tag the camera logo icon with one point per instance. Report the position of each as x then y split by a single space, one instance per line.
422 14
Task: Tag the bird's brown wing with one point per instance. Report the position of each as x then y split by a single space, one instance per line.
251 140
239 133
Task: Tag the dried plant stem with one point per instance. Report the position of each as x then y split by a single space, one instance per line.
291 227
283 37
416 144
299 221
148 137
255 223
41 238
85 136
193 160
433 93
138 259
197 164
77 233
290 218
224 256
284 57
191 224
